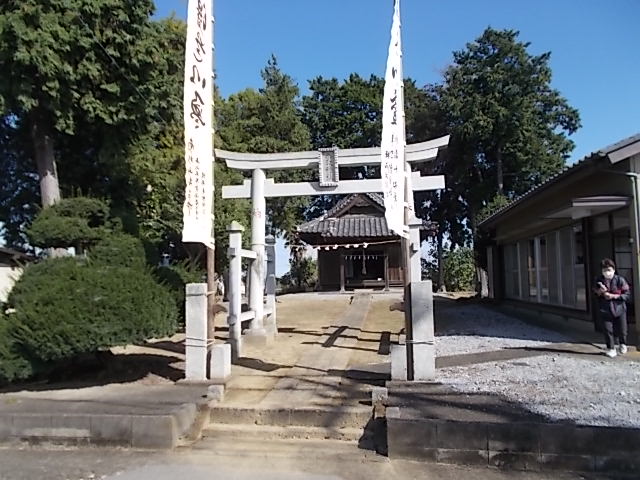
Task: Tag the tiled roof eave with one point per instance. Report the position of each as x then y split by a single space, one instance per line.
590 159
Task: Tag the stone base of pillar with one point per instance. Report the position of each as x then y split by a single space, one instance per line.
271 329
220 363
399 362
236 348
215 394
257 337
424 362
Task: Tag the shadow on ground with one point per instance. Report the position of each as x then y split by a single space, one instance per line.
107 368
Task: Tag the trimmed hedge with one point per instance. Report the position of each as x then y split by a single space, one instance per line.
118 249
68 306
13 366
72 222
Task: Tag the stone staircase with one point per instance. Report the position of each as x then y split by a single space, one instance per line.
337 423
312 430
315 405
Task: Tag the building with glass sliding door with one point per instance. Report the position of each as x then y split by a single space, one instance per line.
545 246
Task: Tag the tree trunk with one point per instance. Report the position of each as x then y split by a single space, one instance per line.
47 171
46 162
499 171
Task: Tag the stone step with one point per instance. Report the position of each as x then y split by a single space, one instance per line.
325 449
326 417
243 432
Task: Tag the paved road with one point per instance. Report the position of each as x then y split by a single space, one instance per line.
30 463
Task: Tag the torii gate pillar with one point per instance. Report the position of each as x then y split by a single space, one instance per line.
257 270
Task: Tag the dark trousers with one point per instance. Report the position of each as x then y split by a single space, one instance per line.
614 327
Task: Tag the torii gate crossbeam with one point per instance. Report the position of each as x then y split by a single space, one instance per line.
328 161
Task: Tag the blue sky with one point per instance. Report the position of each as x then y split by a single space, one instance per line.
594 45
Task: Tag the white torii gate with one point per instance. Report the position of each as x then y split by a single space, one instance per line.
328 161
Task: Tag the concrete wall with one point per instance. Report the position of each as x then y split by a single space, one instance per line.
515 445
8 276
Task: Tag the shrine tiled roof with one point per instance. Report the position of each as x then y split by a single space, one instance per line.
337 222
349 226
340 222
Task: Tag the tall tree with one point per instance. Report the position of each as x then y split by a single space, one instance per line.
266 121
348 114
510 127
124 114
344 114
19 193
71 64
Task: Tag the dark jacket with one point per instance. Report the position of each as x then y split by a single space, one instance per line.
618 286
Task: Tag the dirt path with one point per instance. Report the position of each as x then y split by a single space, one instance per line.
320 339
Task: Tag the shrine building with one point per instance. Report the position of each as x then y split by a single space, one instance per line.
355 247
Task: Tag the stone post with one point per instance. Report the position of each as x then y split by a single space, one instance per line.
196 332
416 264
220 366
257 274
423 338
271 323
234 294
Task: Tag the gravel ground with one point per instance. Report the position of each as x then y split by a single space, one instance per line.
587 390
470 328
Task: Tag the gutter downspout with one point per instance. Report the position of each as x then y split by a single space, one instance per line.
635 181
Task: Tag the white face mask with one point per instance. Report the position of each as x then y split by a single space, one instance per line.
608 273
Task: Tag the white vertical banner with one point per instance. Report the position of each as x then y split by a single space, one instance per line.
393 133
198 124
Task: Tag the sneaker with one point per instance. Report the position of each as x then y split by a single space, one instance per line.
611 353
623 349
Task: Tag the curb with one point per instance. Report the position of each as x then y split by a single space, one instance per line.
144 431
516 445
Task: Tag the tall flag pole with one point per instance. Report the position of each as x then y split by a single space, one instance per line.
396 173
198 125
394 176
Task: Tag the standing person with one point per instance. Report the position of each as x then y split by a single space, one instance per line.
613 294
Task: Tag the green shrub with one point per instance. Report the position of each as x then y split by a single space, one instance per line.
72 222
304 272
67 306
175 277
13 365
459 270
118 249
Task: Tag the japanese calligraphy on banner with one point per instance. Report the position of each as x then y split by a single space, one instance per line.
393 133
198 125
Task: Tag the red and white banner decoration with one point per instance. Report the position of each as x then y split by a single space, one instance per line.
198 124
393 133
